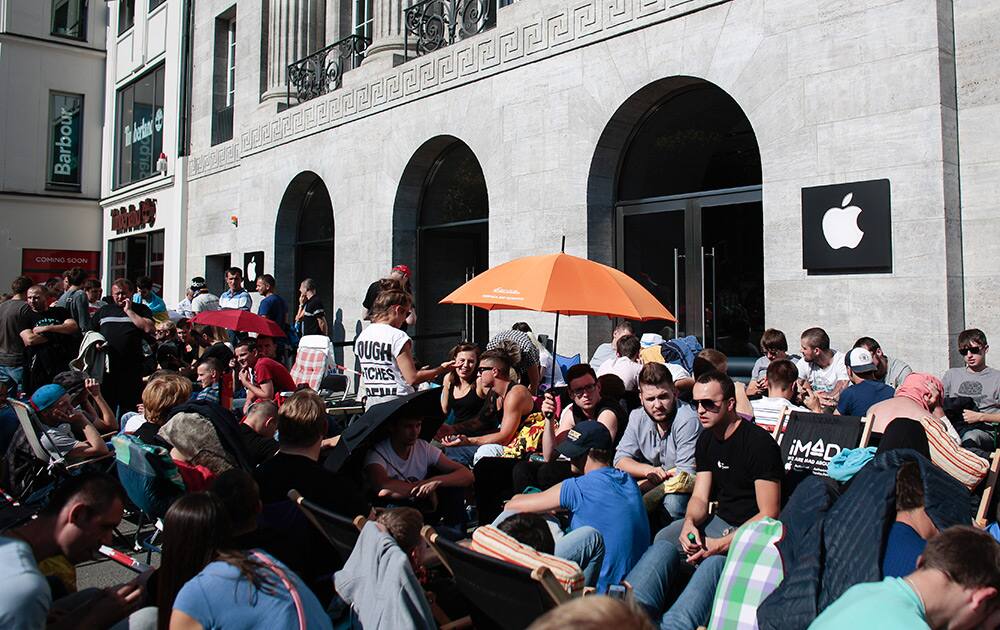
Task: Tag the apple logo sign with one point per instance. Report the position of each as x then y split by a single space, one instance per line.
840 225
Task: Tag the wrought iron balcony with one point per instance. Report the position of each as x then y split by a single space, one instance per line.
434 24
322 71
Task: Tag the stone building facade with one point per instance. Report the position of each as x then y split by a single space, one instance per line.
673 139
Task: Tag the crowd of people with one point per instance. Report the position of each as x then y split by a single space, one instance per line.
638 475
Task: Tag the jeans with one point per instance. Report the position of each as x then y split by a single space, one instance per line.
977 439
675 505
663 567
583 545
16 374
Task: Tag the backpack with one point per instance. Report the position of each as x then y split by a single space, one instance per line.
681 351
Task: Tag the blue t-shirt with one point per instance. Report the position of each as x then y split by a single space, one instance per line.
155 302
856 399
274 308
609 501
902 548
890 604
221 598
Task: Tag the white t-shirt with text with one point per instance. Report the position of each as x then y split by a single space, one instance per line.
823 379
376 348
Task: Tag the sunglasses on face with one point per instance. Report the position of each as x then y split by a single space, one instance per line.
972 349
586 389
708 404
483 368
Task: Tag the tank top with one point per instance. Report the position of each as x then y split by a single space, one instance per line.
467 407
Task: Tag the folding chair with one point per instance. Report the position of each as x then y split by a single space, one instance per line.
501 595
989 492
565 363
313 359
151 482
809 441
340 532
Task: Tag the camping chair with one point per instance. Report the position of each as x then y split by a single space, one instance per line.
313 359
341 533
806 440
151 482
565 363
500 595
989 491
36 478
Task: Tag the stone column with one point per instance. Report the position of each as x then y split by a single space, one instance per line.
295 29
388 29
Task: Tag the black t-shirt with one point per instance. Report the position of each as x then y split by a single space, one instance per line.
602 405
259 448
281 473
371 295
54 316
312 313
124 337
15 316
749 454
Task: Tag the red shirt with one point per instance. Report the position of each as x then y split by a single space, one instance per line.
270 371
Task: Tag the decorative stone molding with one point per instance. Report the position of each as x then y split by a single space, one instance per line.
220 158
500 49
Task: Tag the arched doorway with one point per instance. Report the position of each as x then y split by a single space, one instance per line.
441 221
687 212
303 240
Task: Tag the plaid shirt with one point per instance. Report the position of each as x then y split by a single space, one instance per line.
753 570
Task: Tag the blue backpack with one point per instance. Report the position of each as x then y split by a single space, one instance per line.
681 351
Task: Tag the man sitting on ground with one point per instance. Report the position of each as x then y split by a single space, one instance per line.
891 371
780 379
955 586
606 351
400 471
739 468
209 376
821 370
659 440
56 412
257 431
603 498
80 516
912 528
588 404
626 364
263 378
979 382
774 345
866 389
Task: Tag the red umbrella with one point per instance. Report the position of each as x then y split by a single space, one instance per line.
240 321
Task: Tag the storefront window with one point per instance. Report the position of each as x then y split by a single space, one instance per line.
135 256
65 140
139 134
69 18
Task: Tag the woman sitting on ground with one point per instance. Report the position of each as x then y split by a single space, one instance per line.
461 393
386 352
205 584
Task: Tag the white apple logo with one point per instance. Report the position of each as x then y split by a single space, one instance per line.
840 225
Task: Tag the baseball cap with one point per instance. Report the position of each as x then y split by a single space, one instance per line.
860 361
46 396
585 436
70 380
403 269
197 283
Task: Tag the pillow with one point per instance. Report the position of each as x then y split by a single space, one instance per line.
753 570
958 462
492 542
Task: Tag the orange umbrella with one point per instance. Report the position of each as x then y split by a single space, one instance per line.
562 284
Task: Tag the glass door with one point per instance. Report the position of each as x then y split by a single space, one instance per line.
701 256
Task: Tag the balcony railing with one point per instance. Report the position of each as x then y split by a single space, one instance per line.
322 71
434 24
222 125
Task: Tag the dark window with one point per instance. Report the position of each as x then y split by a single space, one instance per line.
155 3
69 18
65 141
224 77
126 15
697 139
455 189
134 256
139 131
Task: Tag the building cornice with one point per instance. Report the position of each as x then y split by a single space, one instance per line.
506 47
59 44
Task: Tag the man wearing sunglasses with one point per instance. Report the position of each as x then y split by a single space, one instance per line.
739 468
979 382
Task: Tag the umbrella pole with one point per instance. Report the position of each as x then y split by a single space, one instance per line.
555 347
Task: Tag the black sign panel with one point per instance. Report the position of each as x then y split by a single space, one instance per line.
847 228
65 138
253 267
811 440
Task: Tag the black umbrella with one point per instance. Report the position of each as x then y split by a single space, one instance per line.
368 429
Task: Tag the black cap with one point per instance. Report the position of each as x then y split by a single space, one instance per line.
585 436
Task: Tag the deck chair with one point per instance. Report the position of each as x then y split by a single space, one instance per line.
151 482
501 595
342 533
313 359
989 492
565 363
809 440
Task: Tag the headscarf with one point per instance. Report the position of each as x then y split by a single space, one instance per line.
917 385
